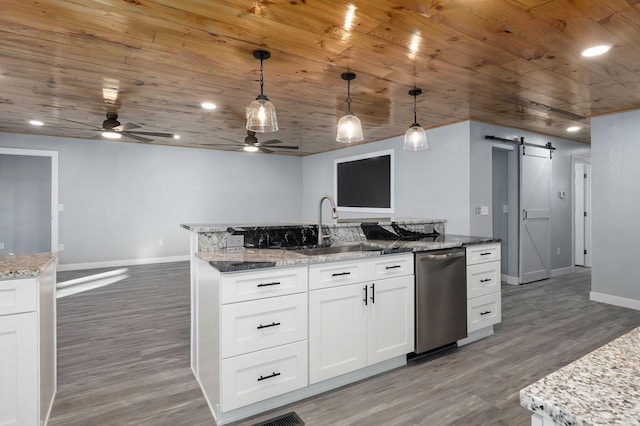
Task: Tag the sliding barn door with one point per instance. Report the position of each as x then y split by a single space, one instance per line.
535 226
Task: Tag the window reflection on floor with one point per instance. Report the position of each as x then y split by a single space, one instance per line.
90 282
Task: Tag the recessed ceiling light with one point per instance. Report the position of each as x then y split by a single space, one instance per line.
176 136
596 50
250 148
111 135
36 123
573 129
208 105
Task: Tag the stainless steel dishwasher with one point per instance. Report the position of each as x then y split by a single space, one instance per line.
441 298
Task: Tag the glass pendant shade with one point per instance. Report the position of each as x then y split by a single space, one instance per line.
349 129
261 116
415 139
349 126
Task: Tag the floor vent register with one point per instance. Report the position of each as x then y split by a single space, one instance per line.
289 419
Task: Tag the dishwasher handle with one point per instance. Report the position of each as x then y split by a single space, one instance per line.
445 256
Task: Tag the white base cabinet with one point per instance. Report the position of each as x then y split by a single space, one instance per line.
484 308
27 349
352 326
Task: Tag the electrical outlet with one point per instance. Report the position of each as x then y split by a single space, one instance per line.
60 247
505 209
1 246
235 241
60 207
558 251
160 242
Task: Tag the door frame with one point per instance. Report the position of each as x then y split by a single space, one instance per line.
577 159
54 184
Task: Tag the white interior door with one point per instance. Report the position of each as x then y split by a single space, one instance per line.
535 227
579 213
582 214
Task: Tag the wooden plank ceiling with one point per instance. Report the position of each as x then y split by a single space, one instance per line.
512 63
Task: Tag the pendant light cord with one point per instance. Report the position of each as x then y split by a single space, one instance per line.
415 110
261 79
349 96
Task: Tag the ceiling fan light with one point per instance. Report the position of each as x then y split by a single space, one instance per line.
250 148
261 116
415 139
111 135
349 129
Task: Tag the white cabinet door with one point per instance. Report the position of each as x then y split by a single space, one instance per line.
337 331
19 370
390 322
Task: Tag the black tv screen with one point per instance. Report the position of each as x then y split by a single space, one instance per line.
365 183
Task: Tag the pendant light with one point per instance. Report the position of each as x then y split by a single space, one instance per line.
261 115
416 138
349 127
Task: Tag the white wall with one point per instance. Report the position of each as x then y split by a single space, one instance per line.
615 166
120 199
431 184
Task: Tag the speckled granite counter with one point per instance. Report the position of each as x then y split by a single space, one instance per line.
601 388
24 265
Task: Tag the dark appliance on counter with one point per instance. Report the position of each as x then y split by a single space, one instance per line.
441 298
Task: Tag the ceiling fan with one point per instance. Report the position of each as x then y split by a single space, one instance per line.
113 129
251 144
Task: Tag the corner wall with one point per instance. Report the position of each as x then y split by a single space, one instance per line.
615 169
121 199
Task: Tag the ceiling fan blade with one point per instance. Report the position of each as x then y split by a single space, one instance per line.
156 134
219 144
270 142
135 137
130 126
284 147
78 122
265 150
230 140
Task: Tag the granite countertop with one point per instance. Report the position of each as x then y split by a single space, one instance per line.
239 259
205 227
601 388
24 265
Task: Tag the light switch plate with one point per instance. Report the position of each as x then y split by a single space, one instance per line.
1 246
235 241
505 209
484 210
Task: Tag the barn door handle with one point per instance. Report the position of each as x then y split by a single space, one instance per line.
524 214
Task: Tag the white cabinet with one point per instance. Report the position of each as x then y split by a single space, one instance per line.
252 334
353 325
483 286
27 349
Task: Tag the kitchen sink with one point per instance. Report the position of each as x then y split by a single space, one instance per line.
318 251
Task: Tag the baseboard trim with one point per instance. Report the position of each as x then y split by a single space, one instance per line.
510 280
124 262
615 300
562 271
476 335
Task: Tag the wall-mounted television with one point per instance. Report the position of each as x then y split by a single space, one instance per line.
364 183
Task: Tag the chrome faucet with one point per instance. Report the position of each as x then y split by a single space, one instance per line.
334 214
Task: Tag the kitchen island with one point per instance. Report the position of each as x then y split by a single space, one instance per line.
278 318
27 338
601 388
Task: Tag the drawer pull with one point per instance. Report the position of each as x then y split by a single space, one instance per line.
485 313
485 254
268 284
365 295
339 274
393 267
273 324
486 280
268 377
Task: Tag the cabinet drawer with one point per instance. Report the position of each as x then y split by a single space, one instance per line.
261 324
18 296
483 253
337 273
264 374
483 311
483 278
240 286
390 266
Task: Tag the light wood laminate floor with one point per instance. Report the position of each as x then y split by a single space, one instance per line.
123 358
